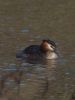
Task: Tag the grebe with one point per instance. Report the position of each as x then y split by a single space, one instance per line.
47 50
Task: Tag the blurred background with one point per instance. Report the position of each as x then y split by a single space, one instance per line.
25 22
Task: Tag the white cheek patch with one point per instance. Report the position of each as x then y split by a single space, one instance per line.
49 46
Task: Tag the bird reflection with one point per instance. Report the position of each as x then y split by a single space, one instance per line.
44 72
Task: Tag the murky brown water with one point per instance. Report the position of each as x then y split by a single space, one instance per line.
25 22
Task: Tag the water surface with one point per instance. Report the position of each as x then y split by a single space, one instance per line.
26 22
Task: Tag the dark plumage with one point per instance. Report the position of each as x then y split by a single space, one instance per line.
46 49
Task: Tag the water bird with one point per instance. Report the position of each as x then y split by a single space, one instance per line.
46 50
